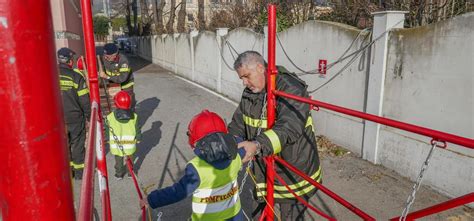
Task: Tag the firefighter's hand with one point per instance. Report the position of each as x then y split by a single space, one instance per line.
103 75
250 150
144 202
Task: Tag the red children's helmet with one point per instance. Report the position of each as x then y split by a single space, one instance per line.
122 100
203 124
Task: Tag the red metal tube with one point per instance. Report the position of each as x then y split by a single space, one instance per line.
331 194
88 29
462 200
135 182
32 185
436 135
302 200
271 68
271 76
262 217
87 190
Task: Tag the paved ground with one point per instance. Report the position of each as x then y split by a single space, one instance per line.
167 103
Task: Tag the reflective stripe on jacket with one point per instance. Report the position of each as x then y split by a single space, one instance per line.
74 94
126 132
120 72
217 196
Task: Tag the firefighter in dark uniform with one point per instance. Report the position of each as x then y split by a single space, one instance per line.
76 106
292 136
117 70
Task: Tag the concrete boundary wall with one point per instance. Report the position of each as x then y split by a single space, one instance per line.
427 79
430 83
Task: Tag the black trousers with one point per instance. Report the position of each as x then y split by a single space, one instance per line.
76 133
121 165
289 210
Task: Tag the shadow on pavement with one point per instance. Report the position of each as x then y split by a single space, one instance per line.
180 210
145 109
150 139
177 154
323 207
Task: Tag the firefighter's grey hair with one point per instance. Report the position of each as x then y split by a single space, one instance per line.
248 58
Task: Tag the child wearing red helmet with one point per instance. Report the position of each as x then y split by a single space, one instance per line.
123 132
211 176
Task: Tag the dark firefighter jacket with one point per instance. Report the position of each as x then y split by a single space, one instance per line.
292 136
120 72
75 95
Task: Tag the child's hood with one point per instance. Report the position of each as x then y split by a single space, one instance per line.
216 147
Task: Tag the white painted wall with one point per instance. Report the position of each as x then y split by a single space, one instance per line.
429 82
305 44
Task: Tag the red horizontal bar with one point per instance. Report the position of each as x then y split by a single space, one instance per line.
436 135
302 200
462 200
135 182
331 194
87 194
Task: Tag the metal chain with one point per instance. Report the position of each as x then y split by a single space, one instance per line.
144 190
250 163
259 130
106 121
158 216
416 186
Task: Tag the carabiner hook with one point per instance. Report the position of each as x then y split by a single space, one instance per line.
439 143
312 106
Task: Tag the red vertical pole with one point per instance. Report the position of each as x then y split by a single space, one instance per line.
88 29
271 76
87 190
32 185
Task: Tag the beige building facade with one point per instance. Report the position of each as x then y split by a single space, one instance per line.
67 23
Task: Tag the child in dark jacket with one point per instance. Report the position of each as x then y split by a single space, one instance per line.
211 176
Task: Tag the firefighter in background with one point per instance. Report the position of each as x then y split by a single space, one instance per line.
76 106
123 133
211 176
117 70
292 137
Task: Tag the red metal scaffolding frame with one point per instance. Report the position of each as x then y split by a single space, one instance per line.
87 190
437 136
36 140
32 186
102 174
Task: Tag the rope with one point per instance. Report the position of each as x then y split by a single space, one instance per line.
254 179
356 54
229 45
337 74
222 56
341 58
